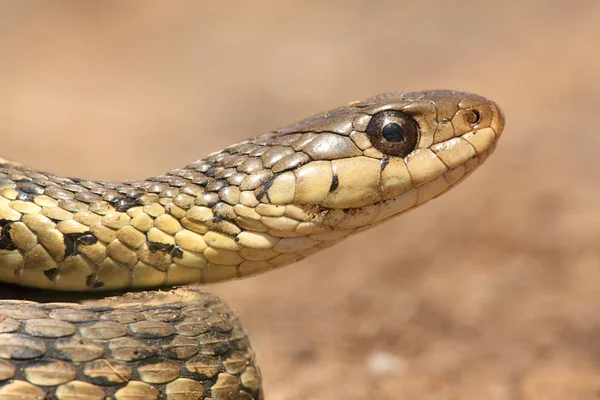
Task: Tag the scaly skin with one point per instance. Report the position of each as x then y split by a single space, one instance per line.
255 206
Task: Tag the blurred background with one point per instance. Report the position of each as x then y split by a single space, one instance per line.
490 292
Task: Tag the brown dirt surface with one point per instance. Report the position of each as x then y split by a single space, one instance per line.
490 292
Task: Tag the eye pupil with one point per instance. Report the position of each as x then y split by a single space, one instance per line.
393 132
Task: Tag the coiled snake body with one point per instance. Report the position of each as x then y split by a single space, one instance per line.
255 206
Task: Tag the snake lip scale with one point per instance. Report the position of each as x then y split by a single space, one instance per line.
257 205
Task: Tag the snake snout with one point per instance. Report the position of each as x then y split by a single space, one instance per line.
497 123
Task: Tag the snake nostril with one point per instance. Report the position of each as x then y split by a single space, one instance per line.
473 117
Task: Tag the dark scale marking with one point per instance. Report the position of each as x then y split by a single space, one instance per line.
6 242
87 239
221 213
75 179
112 198
70 247
201 180
264 189
217 185
138 195
25 196
154 247
4 222
73 239
211 172
122 205
384 162
91 282
51 274
176 252
30 188
335 182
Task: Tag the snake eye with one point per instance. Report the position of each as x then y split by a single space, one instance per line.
393 133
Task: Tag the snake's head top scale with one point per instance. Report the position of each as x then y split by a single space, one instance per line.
254 206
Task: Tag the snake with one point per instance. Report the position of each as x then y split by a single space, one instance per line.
100 295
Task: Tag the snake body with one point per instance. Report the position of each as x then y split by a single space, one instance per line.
252 207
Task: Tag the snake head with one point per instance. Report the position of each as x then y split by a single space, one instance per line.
364 162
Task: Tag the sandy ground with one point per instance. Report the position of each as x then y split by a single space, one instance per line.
490 292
